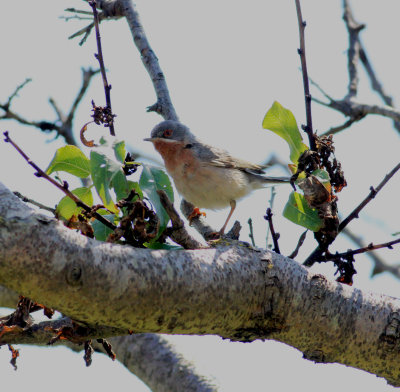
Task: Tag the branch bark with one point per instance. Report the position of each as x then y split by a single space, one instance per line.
126 8
235 292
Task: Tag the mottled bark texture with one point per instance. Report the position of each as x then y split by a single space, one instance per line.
235 292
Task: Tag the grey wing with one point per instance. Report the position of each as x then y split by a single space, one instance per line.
220 158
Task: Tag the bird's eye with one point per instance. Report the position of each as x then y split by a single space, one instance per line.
167 133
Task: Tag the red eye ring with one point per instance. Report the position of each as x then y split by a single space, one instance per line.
167 133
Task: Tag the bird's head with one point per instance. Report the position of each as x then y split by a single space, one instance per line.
171 132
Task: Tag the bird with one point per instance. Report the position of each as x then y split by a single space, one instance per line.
206 176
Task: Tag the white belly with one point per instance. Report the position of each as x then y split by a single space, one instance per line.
212 187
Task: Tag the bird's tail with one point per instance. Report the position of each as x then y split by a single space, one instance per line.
275 180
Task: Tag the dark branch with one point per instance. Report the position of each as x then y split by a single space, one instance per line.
373 192
100 59
63 126
368 248
379 264
353 53
275 236
302 52
299 245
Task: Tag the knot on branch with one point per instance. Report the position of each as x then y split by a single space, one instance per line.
390 338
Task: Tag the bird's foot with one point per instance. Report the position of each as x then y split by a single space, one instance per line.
194 214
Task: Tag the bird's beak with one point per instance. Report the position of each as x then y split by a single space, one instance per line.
154 139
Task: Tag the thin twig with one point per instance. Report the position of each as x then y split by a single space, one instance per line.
63 188
339 128
100 59
302 52
17 90
379 264
63 126
271 205
347 106
87 75
299 245
373 192
251 234
275 236
368 248
35 203
353 53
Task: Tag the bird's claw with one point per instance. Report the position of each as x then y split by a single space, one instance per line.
195 214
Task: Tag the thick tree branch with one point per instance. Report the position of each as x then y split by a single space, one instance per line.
127 8
157 364
148 356
235 292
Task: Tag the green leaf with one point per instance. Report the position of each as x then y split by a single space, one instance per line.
282 122
120 185
104 172
299 212
119 151
70 159
100 230
67 207
151 180
136 187
322 175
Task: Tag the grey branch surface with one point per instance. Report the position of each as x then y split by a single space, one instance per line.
235 292
115 8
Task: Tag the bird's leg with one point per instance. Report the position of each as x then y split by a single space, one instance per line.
233 206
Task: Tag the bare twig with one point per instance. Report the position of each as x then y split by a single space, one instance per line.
379 264
368 248
100 59
271 205
35 203
15 93
353 29
63 126
362 55
339 128
373 191
299 245
251 234
302 52
347 106
63 188
177 232
275 236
